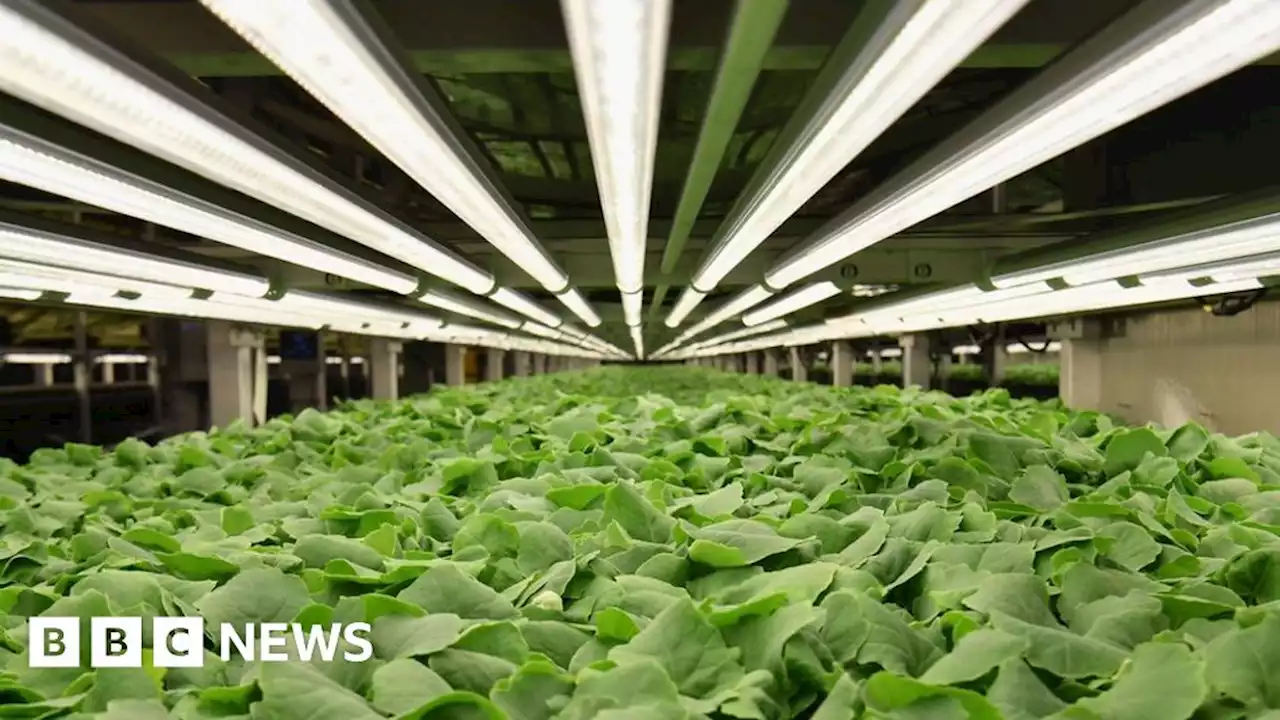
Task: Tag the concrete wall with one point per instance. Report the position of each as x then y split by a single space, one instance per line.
1179 365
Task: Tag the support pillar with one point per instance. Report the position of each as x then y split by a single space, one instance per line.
995 357
44 375
917 367
771 362
799 371
1080 363
108 373
237 364
455 365
841 363
1080 373
521 363
494 357
539 364
322 374
751 363
383 369
83 369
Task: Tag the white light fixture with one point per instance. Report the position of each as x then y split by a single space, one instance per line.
517 302
743 301
998 307
633 308
689 300
467 306
578 305
1153 54
48 61
15 273
914 47
209 309
33 358
330 50
59 250
540 330
619 56
121 359
34 163
1223 243
337 308
798 300
740 333
16 293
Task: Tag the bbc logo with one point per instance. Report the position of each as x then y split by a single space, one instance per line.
178 642
116 642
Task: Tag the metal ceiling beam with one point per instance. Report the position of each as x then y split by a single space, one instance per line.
496 36
751 33
514 60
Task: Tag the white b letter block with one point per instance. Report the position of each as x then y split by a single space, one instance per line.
53 642
116 641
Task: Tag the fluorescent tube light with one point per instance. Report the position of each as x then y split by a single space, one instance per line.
619 55
14 293
633 308
256 314
578 305
1223 243
1155 53
333 52
689 300
16 273
743 301
913 48
798 300
339 307
32 358
1046 303
122 359
740 333
52 63
32 162
466 306
59 250
517 302
540 330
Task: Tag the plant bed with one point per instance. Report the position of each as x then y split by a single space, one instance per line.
657 543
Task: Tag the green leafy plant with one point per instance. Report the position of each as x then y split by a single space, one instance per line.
658 543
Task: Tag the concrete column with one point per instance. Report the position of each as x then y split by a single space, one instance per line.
539 364
494 358
917 368
108 373
998 363
841 363
995 357
237 374
83 375
799 371
322 374
1080 363
751 363
877 362
455 365
383 369
1080 373
521 363
44 375
771 362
